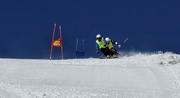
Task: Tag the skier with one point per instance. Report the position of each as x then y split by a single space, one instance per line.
100 46
109 43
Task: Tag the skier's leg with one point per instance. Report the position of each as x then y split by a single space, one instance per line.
105 52
115 53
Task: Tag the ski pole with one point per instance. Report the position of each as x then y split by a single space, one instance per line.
125 40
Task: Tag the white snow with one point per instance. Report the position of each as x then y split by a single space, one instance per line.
137 76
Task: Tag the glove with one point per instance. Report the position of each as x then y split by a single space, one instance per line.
119 46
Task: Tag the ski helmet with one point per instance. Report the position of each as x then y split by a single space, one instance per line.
107 39
98 36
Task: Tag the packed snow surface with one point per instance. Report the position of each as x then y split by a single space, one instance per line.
140 75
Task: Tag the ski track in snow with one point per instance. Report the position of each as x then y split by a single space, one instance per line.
135 76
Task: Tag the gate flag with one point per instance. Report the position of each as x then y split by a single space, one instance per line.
57 43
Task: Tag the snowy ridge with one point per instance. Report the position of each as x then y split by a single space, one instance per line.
142 75
137 60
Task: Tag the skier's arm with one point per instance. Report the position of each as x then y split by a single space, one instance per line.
116 43
97 48
105 43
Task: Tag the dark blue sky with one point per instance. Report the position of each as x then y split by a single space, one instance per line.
26 25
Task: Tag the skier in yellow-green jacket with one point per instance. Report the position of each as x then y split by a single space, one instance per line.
101 47
110 44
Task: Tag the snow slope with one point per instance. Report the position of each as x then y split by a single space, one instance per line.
135 76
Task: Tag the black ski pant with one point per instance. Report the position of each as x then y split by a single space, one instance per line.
113 51
105 51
